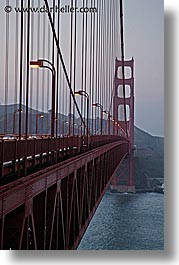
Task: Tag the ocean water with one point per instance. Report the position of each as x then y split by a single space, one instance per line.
127 222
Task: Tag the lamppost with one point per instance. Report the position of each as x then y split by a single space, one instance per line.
113 126
109 123
79 127
98 105
109 117
40 64
115 123
14 119
85 94
74 124
63 127
56 124
37 117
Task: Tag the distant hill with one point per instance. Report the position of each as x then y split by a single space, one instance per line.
150 152
148 159
44 124
11 108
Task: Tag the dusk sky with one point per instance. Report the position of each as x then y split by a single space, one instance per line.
144 40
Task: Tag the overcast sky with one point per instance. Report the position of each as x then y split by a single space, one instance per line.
144 39
144 33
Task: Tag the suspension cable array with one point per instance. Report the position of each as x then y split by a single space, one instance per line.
82 47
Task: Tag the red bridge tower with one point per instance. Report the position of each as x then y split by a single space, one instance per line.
123 180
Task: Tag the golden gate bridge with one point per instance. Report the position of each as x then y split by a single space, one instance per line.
67 118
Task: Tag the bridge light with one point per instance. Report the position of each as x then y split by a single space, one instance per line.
36 64
77 94
18 110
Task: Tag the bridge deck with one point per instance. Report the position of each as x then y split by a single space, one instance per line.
21 158
52 208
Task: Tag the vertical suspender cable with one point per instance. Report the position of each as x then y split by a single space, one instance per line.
82 62
102 87
93 72
86 59
24 73
91 62
6 87
106 52
31 73
53 44
122 57
38 50
48 78
74 69
111 56
70 71
16 56
109 63
57 92
43 72
27 77
53 59
98 54
97 60
21 72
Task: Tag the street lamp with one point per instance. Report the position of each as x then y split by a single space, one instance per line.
40 64
56 124
63 127
98 105
116 128
85 94
115 124
80 127
14 119
109 117
37 117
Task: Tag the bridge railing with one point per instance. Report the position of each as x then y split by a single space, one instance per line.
15 149
17 155
52 208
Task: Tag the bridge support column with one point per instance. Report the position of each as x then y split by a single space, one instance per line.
126 184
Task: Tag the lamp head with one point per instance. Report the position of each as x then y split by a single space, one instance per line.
36 64
77 93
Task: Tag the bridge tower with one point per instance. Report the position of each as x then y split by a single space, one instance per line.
127 173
